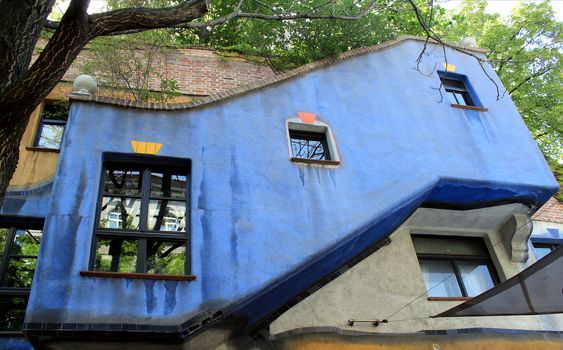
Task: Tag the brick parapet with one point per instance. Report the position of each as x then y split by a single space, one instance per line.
199 71
552 211
270 80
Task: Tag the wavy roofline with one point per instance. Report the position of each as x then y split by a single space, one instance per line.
244 89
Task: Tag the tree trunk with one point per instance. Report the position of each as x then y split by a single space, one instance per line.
23 89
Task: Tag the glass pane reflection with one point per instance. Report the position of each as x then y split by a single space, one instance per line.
440 279
116 255
51 136
166 257
476 277
120 213
168 185
26 242
123 182
20 272
165 215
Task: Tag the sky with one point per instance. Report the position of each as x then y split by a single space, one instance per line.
501 7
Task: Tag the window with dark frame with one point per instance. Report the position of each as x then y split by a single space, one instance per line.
52 126
143 217
309 145
19 247
542 248
457 92
454 267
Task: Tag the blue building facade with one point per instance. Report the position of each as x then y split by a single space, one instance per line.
262 222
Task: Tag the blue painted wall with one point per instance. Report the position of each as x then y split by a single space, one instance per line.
263 227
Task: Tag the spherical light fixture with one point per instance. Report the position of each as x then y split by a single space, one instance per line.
85 84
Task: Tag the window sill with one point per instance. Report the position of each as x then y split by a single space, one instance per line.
448 298
472 108
139 276
315 161
41 149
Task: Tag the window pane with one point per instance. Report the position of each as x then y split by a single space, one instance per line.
12 313
168 185
165 215
123 182
452 97
26 242
309 146
120 213
3 238
476 277
541 251
116 255
50 135
19 272
440 279
166 257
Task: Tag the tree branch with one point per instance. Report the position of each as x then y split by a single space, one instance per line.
141 18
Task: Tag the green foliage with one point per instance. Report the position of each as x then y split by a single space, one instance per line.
287 44
525 49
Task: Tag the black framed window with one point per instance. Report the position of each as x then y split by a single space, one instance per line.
52 126
544 247
457 92
454 266
142 221
19 248
309 145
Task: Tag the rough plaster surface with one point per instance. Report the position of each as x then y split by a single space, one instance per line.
264 228
381 285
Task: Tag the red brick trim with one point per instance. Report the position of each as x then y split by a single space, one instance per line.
261 83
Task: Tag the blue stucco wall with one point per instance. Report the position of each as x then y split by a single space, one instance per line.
263 227
32 202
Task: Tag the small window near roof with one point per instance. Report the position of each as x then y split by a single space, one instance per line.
457 92
52 126
311 143
454 267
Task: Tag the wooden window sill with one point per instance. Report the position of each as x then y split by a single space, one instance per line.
41 149
448 298
472 108
141 276
315 161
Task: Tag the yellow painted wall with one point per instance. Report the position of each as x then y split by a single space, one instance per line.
481 341
36 167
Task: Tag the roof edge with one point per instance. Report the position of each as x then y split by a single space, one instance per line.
244 89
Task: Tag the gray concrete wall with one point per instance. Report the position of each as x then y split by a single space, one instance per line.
381 286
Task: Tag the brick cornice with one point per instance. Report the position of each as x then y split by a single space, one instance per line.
220 96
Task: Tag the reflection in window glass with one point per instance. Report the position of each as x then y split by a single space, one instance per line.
20 272
123 182
440 279
166 257
26 242
168 185
309 145
165 215
116 255
541 252
50 136
476 277
3 238
52 126
12 313
121 212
